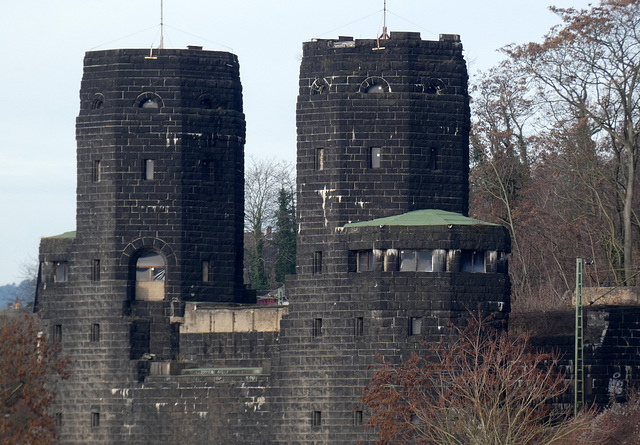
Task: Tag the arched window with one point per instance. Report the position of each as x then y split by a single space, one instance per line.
148 100
150 267
150 275
149 103
375 85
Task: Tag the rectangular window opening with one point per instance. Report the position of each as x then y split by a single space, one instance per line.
359 327
95 270
95 332
316 418
366 261
318 162
149 169
472 261
433 159
317 262
376 153
420 260
317 327
357 418
205 271
95 420
95 171
207 171
62 271
57 333
415 325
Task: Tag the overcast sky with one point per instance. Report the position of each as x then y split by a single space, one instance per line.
43 43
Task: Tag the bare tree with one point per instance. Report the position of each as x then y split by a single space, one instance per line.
264 179
484 388
29 363
590 68
501 144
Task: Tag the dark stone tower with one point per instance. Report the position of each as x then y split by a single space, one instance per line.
159 223
160 169
144 297
386 254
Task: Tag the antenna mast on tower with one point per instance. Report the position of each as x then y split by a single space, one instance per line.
162 24
384 34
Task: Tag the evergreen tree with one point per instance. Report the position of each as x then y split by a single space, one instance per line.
285 236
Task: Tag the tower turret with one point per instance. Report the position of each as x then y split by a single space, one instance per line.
160 161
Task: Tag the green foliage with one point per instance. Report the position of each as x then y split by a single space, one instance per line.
264 179
285 237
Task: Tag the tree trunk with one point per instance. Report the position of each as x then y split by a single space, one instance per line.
628 202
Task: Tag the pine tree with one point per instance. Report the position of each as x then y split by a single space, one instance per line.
285 236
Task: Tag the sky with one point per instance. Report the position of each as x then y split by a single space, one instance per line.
42 44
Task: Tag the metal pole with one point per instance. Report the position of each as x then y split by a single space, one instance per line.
161 24
578 375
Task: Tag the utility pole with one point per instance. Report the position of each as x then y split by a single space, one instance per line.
578 375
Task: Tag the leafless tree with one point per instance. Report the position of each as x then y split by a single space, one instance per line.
589 68
264 178
483 388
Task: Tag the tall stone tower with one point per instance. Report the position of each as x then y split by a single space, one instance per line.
146 296
160 161
387 257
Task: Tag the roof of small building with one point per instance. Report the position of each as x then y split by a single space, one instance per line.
429 217
70 234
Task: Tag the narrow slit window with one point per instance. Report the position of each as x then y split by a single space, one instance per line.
148 169
317 262
95 270
96 171
57 333
205 271
316 418
95 420
95 332
207 171
359 327
58 419
433 159
317 327
357 418
376 154
318 162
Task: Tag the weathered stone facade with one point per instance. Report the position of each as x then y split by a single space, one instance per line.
147 297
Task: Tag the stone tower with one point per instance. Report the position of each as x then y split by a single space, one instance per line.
386 254
160 161
147 295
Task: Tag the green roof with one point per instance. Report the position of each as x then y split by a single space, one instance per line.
430 217
71 234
